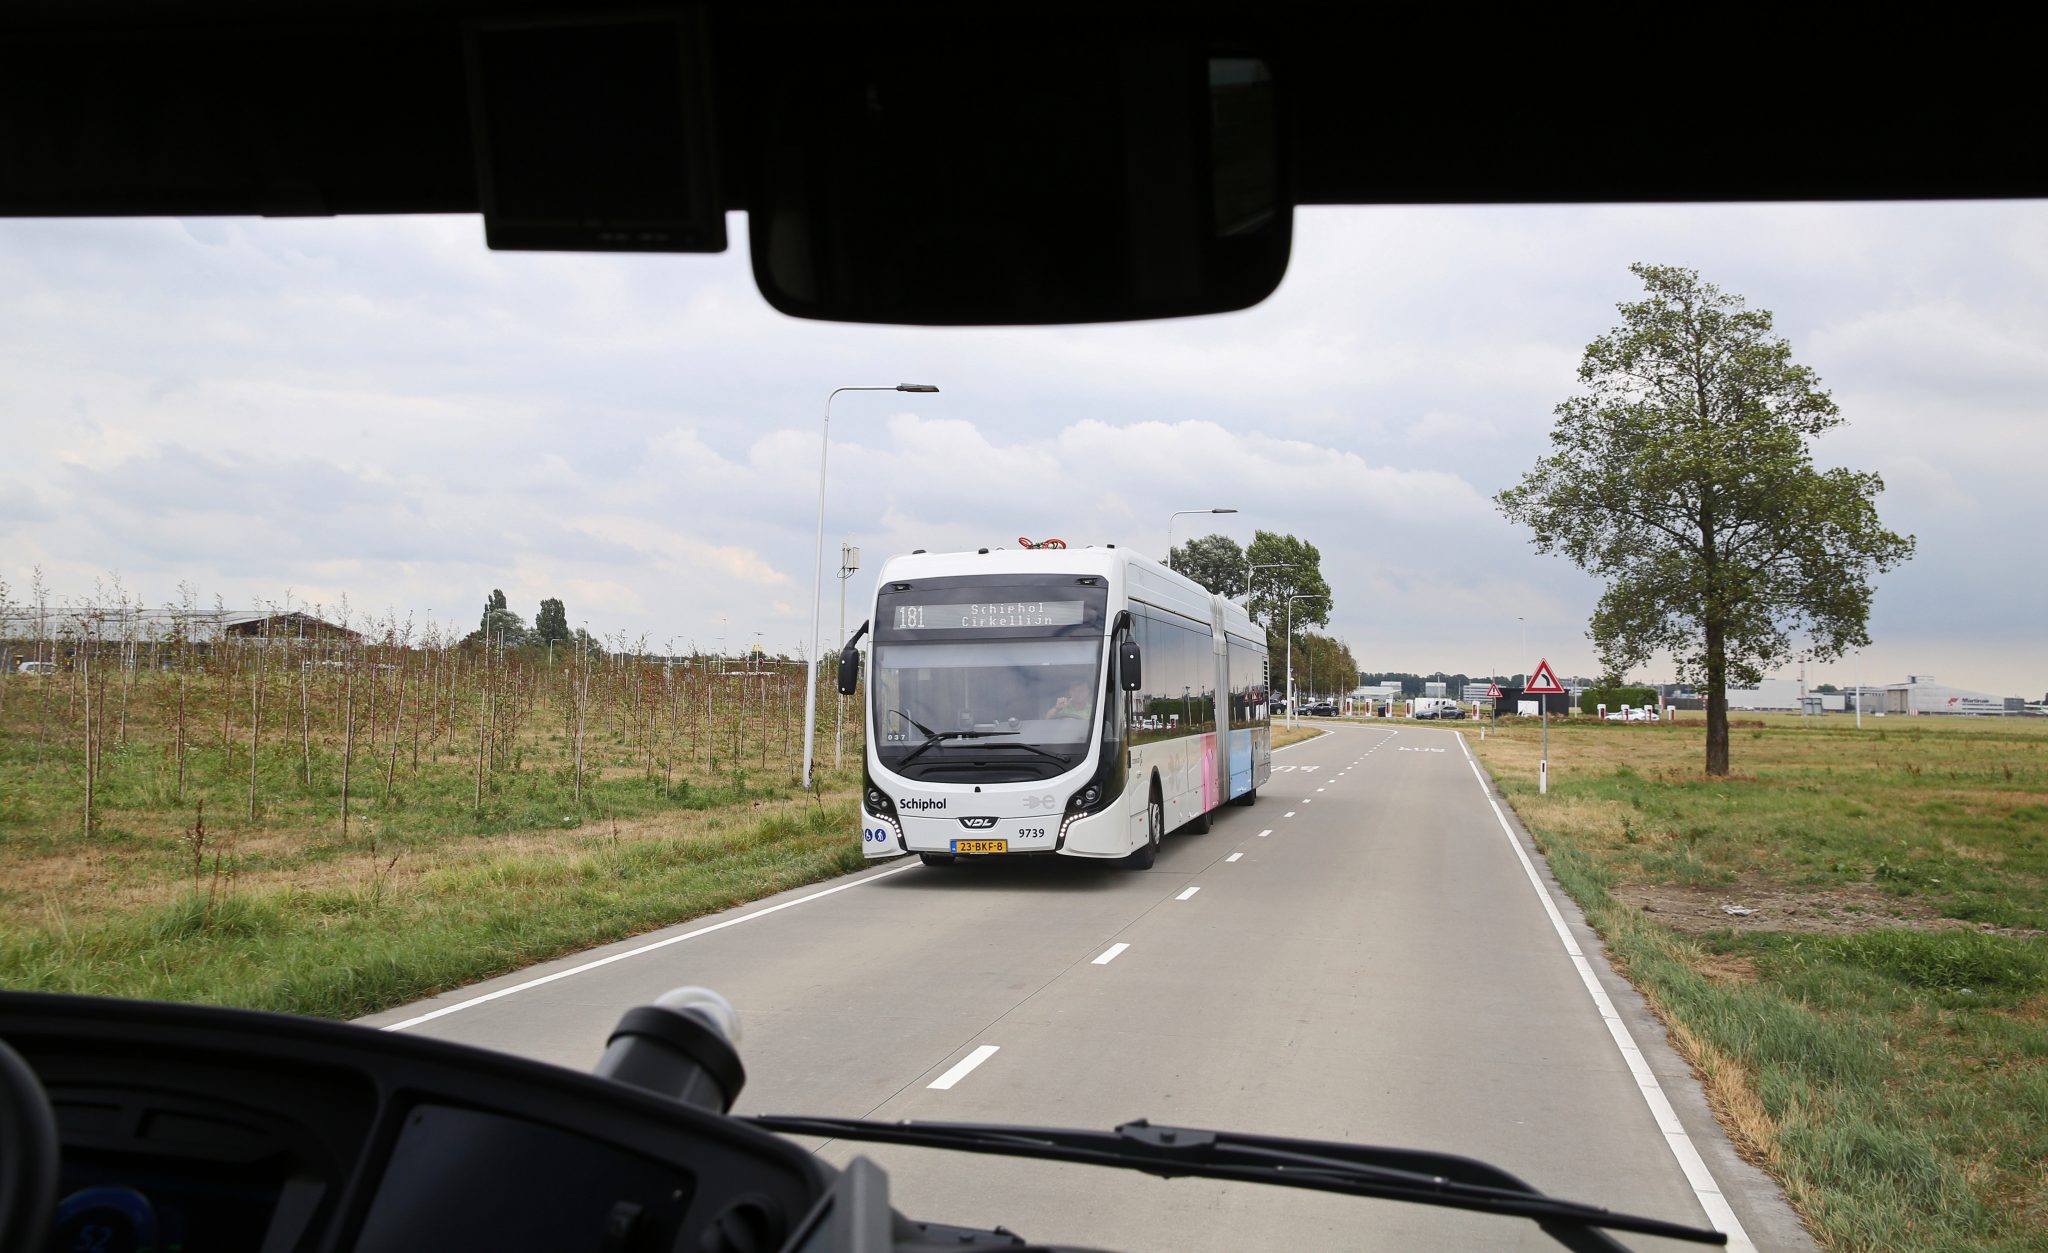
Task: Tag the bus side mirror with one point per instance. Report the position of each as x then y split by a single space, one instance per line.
1130 672
849 662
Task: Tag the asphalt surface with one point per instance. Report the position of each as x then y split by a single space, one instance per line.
1362 955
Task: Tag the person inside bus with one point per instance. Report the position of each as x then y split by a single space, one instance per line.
1073 705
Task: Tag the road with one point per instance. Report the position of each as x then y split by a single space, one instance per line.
1363 955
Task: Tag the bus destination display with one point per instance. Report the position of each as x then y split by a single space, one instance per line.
989 616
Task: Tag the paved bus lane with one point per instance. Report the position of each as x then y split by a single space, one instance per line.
1375 968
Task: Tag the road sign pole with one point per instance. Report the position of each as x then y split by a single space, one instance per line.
1543 684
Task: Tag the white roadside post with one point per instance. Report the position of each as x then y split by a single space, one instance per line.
818 571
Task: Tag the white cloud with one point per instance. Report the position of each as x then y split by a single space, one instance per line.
385 408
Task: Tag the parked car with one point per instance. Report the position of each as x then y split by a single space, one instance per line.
1635 713
36 667
1323 709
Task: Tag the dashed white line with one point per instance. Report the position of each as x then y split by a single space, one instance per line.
1109 954
1268 831
1233 857
1288 814
1322 789
963 1067
1190 892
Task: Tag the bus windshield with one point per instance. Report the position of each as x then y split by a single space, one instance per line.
1043 693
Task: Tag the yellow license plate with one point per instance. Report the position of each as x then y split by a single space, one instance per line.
981 846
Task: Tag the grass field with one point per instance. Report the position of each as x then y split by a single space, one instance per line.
1845 938
336 838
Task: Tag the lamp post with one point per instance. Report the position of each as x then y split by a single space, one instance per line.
849 561
1290 647
818 570
1264 565
1169 528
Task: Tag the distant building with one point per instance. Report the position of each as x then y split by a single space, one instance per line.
1769 694
1920 694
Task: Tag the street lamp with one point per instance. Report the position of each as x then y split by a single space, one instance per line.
1169 528
1264 565
818 571
849 561
1292 597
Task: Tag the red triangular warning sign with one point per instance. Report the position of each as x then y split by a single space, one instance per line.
1543 682
1493 691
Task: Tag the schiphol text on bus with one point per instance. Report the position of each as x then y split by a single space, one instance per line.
1082 701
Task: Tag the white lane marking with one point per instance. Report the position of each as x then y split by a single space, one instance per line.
1190 892
963 1066
1233 857
1322 789
1463 745
1719 1212
635 952
1288 814
1268 831
1109 954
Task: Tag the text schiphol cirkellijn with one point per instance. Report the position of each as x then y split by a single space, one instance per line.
983 617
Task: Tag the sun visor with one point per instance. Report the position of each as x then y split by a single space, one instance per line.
595 134
946 180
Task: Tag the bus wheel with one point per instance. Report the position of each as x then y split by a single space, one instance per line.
1155 830
1199 824
936 859
1248 799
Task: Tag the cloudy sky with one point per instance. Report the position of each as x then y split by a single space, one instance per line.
384 409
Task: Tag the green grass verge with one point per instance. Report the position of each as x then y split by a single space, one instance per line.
395 937
1895 1079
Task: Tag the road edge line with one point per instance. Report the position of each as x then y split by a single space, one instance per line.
1705 1188
446 1010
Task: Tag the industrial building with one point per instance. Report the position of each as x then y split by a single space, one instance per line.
1920 694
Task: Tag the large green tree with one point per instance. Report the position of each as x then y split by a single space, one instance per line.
551 623
1683 477
500 626
1214 561
1284 566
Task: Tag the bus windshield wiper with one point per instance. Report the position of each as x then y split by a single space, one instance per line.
933 738
1358 1170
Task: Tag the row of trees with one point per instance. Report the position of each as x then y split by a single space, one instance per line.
356 711
1280 577
501 628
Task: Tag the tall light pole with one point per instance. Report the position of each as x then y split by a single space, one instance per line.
818 571
849 561
1169 528
1290 647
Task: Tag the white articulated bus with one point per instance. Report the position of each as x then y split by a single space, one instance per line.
1054 701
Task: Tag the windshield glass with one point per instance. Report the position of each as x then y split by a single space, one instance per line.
1032 691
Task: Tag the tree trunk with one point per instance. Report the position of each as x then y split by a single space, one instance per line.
1717 697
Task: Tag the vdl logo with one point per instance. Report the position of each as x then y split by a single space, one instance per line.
977 824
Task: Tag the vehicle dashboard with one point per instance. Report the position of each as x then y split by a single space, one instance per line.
185 1128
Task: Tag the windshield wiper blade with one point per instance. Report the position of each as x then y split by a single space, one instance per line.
1419 1176
940 737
